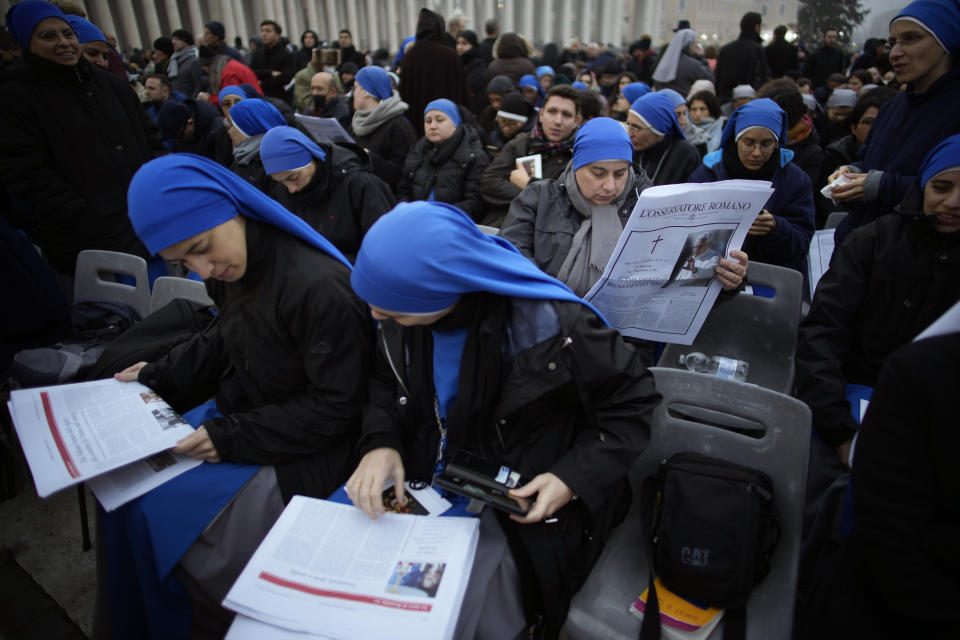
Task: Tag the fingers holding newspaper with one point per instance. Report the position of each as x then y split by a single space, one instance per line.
552 494
198 445
130 373
365 486
731 271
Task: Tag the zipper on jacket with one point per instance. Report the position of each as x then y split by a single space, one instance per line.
393 367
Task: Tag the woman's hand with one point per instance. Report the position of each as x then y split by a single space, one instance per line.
520 177
731 271
198 445
365 486
763 225
130 373
853 190
552 494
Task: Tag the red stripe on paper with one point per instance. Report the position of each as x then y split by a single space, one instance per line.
382 602
57 438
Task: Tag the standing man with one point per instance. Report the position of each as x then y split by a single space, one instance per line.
184 69
827 59
485 48
349 53
273 63
215 36
781 55
742 61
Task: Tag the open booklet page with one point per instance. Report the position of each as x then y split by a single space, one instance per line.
329 569
73 432
659 283
116 488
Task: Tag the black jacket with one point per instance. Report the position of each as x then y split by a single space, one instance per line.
336 108
670 161
476 70
287 359
265 61
886 283
450 172
343 200
742 61
553 389
71 139
781 57
822 63
388 146
209 138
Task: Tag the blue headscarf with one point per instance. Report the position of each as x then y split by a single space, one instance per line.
177 196
634 90
447 108
601 139
657 111
403 45
288 149
23 17
86 31
940 17
763 112
421 257
944 156
233 90
675 98
374 81
582 86
529 80
253 117
545 70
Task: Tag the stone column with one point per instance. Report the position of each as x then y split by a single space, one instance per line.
526 20
197 22
129 35
353 23
393 38
100 15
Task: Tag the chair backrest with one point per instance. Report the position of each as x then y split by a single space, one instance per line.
834 219
734 421
757 329
490 231
167 288
96 277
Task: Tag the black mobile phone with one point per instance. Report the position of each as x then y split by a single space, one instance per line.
474 477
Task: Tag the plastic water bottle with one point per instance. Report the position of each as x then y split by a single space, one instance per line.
730 368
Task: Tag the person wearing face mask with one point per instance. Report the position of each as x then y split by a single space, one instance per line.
751 148
447 163
325 100
925 39
71 138
327 185
659 146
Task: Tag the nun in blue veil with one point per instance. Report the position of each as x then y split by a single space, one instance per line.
481 351
284 362
249 120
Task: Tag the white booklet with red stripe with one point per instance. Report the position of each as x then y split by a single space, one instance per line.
74 432
328 569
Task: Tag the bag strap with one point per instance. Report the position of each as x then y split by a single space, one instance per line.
735 623
650 629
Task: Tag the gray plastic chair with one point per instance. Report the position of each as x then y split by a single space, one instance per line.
834 219
761 331
697 413
94 278
169 288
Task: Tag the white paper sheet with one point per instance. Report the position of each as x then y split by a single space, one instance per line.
118 487
660 282
949 322
246 628
818 258
324 129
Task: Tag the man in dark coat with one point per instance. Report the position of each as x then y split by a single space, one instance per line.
184 69
273 63
431 70
192 126
485 48
781 55
348 52
742 61
325 100
826 60
215 36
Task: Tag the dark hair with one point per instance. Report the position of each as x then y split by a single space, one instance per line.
831 29
164 44
804 81
710 51
590 105
750 21
183 34
273 23
873 98
626 74
564 91
839 78
491 26
780 31
785 93
707 98
163 78
865 76
346 31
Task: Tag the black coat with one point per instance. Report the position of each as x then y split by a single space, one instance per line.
570 397
670 161
886 283
209 138
742 61
287 359
782 57
476 70
71 139
451 172
822 63
388 146
342 201
265 61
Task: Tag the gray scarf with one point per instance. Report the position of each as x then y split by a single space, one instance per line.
247 150
173 69
366 121
595 240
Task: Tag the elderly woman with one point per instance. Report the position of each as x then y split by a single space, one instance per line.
284 361
659 146
681 66
924 44
752 149
248 121
482 352
328 185
707 121
446 164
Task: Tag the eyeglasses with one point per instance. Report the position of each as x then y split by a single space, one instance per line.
507 123
906 40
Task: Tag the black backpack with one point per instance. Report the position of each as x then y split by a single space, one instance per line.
711 529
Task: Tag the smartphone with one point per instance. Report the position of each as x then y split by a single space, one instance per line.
474 477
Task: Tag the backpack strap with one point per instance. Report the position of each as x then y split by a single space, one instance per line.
735 623
650 629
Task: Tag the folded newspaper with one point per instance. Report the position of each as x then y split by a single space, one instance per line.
659 283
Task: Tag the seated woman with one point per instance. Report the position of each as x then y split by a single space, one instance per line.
659 146
751 149
515 116
328 185
482 352
627 96
707 120
446 164
248 121
284 361
531 90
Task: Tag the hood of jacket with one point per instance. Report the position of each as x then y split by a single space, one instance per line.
430 26
511 46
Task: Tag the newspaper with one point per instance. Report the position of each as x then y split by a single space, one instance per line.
73 432
818 259
949 322
116 488
327 568
659 283
324 129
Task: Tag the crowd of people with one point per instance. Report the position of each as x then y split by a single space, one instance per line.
370 324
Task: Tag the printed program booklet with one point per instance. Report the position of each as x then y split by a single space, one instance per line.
680 619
